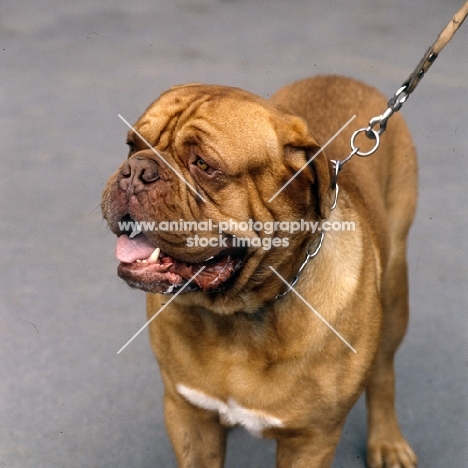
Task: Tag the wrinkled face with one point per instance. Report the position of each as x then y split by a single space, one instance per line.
206 169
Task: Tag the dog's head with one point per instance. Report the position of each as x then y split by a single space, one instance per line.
211 174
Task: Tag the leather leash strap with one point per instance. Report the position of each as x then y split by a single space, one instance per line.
429 57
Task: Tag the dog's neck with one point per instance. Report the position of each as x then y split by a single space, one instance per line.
314 247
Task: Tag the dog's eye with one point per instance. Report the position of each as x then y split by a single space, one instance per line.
201 164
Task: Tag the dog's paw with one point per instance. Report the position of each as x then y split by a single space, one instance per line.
397 454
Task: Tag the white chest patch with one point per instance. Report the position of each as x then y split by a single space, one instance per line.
231 413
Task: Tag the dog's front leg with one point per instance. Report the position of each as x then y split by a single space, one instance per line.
199 440
309 451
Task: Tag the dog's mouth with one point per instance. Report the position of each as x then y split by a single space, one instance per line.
146 267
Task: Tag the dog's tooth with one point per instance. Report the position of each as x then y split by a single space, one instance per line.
138 260
144 261
155 255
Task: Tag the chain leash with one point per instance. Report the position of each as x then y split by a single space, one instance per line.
378 124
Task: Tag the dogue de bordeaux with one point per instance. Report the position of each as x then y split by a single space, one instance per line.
236 344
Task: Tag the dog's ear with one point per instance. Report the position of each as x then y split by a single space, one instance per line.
319 168
323 169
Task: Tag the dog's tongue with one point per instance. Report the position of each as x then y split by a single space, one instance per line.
138 248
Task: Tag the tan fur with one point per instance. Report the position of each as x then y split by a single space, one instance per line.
276 357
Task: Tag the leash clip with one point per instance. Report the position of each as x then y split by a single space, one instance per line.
394 105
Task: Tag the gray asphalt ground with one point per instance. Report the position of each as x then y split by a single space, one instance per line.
67 70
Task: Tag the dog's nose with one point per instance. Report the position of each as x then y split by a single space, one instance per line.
137 174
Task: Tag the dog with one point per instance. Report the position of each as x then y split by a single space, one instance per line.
282 332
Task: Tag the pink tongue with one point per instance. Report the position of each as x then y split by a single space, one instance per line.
138 248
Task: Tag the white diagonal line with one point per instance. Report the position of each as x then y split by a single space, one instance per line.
314 311
313 157
160 310
177 173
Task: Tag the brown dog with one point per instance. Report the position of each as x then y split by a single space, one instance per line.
233 349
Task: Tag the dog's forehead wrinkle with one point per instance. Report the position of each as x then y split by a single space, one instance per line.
214 114
160 118
163 120
158 131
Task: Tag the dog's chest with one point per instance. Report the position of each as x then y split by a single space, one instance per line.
230 412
